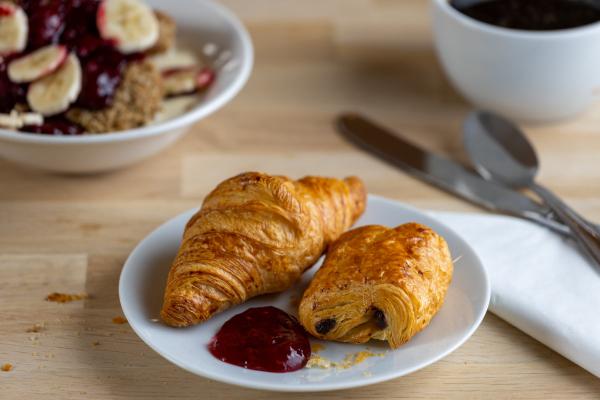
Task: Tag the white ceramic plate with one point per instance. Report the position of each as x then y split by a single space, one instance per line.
141 291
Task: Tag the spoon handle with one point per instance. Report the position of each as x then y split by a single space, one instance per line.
590 227
583 234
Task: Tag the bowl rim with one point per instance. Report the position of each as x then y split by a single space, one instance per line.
557 34
202 110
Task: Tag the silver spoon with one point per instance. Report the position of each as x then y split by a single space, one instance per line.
501 152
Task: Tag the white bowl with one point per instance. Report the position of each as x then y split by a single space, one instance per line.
200 23
524 75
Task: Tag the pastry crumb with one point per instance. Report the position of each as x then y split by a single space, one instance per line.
316 361
119 320
136 102
36 328
367 374
7 367
361 356
353 359
96 343
316 347
349 360
65 298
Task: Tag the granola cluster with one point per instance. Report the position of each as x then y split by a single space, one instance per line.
136 101
139 96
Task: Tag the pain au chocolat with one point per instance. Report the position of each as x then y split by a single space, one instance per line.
378 283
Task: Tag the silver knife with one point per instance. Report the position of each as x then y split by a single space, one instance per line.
443 173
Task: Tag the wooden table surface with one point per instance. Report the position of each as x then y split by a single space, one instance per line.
313 60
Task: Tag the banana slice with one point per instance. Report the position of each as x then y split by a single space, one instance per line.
11 121
14 28
175 59
54 93
131 24
17 120
179 81
186 80
37 64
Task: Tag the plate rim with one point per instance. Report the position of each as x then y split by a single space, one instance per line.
248 383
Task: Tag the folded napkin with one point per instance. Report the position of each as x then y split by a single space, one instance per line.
541 283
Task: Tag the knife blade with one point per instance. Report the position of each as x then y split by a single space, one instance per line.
443 173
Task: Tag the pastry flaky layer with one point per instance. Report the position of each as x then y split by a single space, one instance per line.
255 234
378 283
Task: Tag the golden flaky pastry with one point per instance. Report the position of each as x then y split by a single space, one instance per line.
378 283
255 234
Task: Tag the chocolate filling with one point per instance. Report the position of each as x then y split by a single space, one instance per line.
379 318
325 325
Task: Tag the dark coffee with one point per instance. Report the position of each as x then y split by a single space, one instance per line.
531 15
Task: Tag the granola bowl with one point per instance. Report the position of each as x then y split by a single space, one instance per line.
205 28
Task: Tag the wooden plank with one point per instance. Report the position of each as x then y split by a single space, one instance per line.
314 60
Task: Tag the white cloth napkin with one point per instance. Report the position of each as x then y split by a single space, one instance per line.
541 284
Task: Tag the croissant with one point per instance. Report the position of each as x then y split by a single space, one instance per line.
255 234
378 282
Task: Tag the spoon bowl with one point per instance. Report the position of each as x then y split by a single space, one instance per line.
499 150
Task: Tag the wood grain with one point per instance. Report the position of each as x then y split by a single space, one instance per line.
314 60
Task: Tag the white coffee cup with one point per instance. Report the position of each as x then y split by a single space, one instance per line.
524 75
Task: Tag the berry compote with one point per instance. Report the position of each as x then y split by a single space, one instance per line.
262 339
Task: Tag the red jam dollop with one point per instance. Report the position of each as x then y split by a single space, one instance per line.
262 339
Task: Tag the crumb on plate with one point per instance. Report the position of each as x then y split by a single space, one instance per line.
317 347
316 361
350 360
7 367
